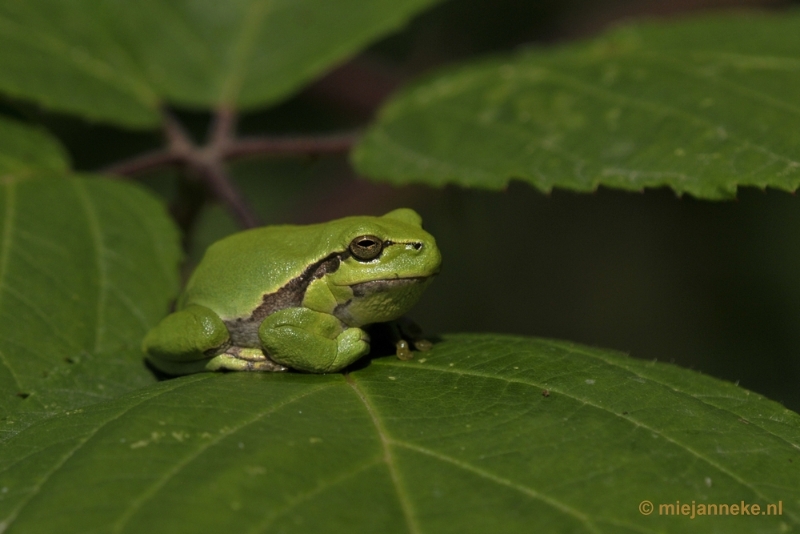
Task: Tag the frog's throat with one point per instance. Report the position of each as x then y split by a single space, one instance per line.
402 293
363 289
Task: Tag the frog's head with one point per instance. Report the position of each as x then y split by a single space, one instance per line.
388 262
391 247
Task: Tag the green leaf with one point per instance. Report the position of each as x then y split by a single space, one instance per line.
86 267
701 106
463 439
24 149
118 61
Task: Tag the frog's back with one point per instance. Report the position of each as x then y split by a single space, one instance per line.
237 271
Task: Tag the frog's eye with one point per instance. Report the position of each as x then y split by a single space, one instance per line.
366 247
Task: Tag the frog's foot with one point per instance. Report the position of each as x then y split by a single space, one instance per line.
311 341
407 333
244 359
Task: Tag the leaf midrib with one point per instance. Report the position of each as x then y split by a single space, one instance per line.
388 457
96 233
242 50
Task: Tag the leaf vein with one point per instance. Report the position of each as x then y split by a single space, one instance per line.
299 499
136 504
36 490
668 386
525 490
627 418
81 60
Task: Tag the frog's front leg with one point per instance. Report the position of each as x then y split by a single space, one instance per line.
185 341
311 341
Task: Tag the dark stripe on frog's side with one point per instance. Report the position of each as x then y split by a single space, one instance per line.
244 330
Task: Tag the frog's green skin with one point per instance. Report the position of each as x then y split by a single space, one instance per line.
280 297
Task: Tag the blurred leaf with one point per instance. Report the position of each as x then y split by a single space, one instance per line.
24 149
86 267
118 61
460 440
701 106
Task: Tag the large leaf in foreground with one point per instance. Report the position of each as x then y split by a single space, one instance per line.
701 106
483 434
119 61
86 267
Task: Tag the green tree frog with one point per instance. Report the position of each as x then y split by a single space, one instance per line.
281 297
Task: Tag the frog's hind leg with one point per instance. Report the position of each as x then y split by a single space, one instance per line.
184 341
243 359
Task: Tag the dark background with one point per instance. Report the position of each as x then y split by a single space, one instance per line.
709 286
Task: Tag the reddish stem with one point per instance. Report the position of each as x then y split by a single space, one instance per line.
145 162
222 187
207 163
239 148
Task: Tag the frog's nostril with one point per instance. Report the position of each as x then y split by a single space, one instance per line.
417 246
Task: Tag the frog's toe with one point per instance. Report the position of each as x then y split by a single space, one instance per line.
351 345
243 359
